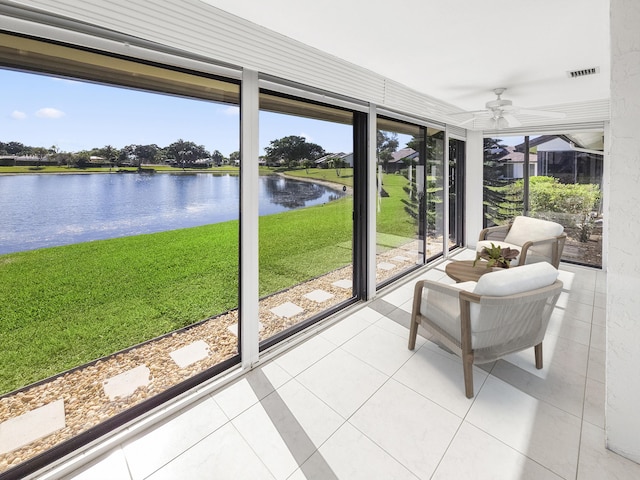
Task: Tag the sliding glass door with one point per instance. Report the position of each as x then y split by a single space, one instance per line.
306 213
456 192
401 222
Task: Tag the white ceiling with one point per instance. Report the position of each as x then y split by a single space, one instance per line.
457 51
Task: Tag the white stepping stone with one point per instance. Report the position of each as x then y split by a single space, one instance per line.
190 354
234 328
287 310
124 384
386 266
343 283
319 296
400 258
38 423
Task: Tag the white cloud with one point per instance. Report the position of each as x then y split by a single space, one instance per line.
49 112
66 80
231 111
18 115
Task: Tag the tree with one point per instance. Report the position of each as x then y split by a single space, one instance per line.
307 164
14 148
387 143
146 153
502 199
234 157
217 157
184 150
292 150
127 155
186 153
109 153
64 158
39 152
337 163
52 152
82 158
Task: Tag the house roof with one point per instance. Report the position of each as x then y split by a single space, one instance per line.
512 155
589 140
404 153
329 156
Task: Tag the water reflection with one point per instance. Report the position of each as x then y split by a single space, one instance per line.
39 211
290 193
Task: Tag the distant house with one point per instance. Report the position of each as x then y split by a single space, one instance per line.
569 158
566 158
199 163
26 160
324 162
511 160
401 158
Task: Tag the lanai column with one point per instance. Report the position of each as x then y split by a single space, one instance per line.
623 273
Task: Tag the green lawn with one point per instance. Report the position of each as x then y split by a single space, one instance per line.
325 174
394 224
302 244
65 306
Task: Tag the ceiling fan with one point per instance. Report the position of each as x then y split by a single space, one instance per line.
502 113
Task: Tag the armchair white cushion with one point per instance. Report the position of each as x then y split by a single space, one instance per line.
509 281
537 240
504 312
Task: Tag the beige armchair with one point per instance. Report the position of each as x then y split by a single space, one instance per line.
537 240
506 311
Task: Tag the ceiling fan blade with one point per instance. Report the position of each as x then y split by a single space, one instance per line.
542 113
513 121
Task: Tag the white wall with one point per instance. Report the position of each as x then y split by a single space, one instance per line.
555 145
473 187
623 276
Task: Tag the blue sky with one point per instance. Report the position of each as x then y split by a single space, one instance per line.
42 111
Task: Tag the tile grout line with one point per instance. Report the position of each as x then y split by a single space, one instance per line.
584 393
291 443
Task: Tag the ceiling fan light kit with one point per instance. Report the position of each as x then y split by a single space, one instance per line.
502 113
501 122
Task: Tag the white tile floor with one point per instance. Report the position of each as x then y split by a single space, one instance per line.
353 403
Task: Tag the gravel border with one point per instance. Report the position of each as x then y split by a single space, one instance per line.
85 402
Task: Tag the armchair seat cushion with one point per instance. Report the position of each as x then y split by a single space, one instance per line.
509 281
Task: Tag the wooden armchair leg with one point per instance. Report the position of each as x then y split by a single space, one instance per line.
415 314
538 350
467 367
413 332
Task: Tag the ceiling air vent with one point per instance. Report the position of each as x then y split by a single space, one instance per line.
584 72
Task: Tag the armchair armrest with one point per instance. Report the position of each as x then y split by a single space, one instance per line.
556 243
442 298
452 290
498 232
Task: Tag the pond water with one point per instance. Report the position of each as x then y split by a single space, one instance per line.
39 211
